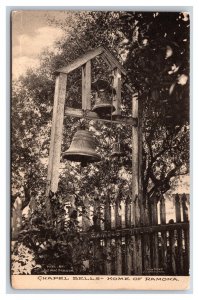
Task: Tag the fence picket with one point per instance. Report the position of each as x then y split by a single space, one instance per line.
118 256
129 255
172 252
154 218
107 215
117 215
146 254
186 233
86 215
163 235
108 256
162 211
127 212
177 208
138 250
184 208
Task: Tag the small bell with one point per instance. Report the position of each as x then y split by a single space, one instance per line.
82 148
117 150
103 100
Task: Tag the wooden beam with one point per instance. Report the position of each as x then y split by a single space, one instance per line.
86 86
56 133
81 60
137 230
117 85
110 65
135 169
79 113
113 61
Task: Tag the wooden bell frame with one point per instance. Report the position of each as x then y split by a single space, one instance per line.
59 112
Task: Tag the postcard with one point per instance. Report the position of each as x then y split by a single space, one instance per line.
100 133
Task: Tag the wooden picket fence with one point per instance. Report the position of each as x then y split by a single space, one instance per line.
141 241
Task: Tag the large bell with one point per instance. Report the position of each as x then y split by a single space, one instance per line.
117 150
82 148
103 100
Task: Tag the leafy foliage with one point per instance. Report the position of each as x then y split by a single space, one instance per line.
22 260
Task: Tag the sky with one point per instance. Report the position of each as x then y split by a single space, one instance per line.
31 34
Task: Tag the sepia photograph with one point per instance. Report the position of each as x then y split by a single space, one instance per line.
100 149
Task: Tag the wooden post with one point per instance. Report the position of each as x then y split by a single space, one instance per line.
146 254
117 86
129 254
146 241
185 208
97 215
134 254
108 256
137 211
155 258
86 86
138 250
128 212
117 215
162 211
136 184
56 133
186 234
177 208
86 215
107 215
118 242
135 174
163 234
16 218
172 252
179 237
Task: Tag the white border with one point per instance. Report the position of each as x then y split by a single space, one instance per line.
4 119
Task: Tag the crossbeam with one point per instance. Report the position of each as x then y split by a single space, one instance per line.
136 230
79 113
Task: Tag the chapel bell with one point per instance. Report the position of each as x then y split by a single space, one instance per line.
103 98
117 150
82 148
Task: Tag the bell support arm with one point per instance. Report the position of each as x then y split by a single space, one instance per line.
86 86
79 113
